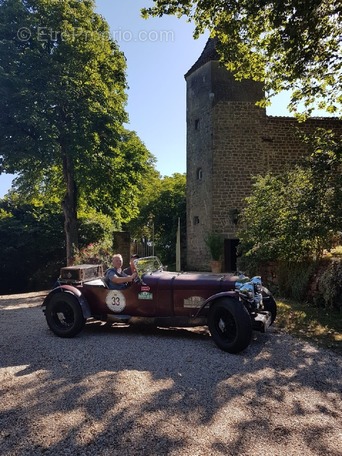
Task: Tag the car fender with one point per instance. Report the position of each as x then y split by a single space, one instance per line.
213 298
73 291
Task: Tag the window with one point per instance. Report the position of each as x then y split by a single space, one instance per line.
196 220
197 124
199 174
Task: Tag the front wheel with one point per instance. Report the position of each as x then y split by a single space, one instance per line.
230 325
64 315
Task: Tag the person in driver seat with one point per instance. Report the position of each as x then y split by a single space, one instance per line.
115 277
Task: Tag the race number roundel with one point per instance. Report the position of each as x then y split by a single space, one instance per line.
116 301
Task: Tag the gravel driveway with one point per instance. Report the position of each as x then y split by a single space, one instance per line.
129 391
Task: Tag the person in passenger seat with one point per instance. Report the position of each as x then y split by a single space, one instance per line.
131 268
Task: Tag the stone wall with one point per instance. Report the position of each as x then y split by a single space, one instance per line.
122 244
237 156
199 164
230 140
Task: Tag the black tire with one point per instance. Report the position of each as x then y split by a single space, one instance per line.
269 303
230 325
64 315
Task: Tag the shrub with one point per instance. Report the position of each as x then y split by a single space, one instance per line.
95 253
294 279
214 242
330 286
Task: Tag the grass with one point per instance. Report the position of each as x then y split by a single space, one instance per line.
311 323
336 252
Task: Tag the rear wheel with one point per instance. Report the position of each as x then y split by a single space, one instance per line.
230 325
64 315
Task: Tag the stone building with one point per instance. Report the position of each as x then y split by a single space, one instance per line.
229 140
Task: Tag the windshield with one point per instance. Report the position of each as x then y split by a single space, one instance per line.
147 265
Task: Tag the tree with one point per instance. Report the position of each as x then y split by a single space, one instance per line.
32 245
62 109
292 217
292 44
162 208
32 241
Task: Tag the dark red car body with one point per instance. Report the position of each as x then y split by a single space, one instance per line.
224 302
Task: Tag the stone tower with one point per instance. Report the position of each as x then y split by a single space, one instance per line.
223 152
230 140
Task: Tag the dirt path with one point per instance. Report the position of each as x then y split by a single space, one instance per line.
128 391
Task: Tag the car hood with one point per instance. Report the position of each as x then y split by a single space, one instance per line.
193 280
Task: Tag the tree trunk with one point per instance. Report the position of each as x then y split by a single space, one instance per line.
69 205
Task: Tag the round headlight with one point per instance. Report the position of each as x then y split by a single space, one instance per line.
257 284
247 290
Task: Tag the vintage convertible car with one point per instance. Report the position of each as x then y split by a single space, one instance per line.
231 305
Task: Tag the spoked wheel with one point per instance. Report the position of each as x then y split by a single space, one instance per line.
64 315
230 325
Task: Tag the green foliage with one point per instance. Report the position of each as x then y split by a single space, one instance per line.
95 227
294 279
32 242
96 239
293 45
163 203
295 215
132 167
74 85
330 286
97 253
62 110
271 219
325 163
214 242
322 326
32 246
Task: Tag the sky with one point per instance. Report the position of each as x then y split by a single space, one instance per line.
159 52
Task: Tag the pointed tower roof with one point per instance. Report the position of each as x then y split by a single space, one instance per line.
209 53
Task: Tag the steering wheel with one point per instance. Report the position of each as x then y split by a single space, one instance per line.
137 279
